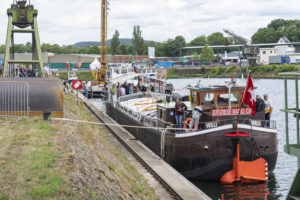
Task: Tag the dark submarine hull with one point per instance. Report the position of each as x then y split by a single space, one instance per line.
45 95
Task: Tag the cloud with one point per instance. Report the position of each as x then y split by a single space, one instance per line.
70 21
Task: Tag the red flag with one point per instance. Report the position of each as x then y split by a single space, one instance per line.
249 97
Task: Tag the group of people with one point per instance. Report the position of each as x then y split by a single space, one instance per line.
180 107
129 88
125 89
265 104
23 71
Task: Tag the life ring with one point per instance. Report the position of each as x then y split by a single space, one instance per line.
188 120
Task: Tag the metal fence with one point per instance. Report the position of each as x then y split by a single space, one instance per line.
14 99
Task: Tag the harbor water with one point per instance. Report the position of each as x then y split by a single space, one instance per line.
281 179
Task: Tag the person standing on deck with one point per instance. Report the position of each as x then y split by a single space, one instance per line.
179 108
260 104
118 91
130 89
196 114
268 109
123 91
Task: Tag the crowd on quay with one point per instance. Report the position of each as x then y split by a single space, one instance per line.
23 71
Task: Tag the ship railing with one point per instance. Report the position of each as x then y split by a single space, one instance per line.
214 124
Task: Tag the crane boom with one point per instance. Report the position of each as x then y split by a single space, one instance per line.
103 45
240 39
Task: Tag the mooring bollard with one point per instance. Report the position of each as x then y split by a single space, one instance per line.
46 115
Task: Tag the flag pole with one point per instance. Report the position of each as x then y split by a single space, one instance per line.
242 99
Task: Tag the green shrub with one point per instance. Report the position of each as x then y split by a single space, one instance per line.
230 69
269 68
254 69
213 70
221 70
287 68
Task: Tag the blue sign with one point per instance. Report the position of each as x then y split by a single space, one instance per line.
165 64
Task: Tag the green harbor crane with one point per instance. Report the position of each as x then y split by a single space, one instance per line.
21 16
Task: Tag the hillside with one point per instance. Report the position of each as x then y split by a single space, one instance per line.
57 160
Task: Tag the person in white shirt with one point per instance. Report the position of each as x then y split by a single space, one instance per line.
123 91
47 70
268 109
196 114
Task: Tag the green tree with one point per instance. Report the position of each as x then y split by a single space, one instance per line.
275 24
122 49
2 49
130 49
160 50
265 35
216 39
94 50
207 54
292 33
19 48
28 46
198 41
173 46
115 43
137 40
46 47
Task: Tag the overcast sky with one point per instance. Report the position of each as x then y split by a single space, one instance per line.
70 21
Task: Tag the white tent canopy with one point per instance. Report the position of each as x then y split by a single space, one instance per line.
95 65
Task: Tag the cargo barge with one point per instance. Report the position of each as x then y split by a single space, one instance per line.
205 154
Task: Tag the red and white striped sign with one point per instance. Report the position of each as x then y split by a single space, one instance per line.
224 112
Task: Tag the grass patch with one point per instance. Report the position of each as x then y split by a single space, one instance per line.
117 162
82 75
191 75
4 197
30 169
172 73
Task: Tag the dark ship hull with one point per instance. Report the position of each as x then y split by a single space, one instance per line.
205 154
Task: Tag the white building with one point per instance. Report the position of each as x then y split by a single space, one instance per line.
265 53
284 49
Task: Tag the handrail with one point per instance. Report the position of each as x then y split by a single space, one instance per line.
288 110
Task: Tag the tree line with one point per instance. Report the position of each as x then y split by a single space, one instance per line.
171 48
276 29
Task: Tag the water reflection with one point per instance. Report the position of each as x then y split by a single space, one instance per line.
245 191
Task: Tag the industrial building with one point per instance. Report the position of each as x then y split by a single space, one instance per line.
283 47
